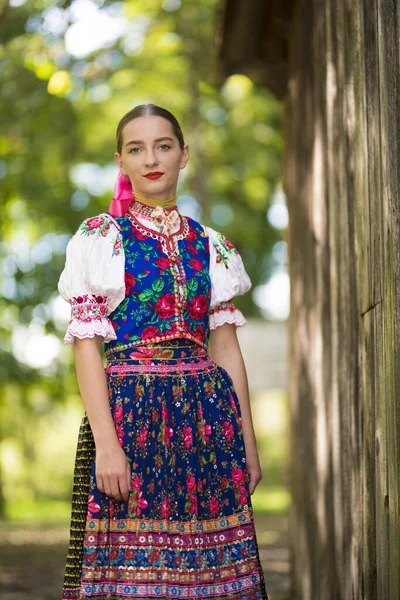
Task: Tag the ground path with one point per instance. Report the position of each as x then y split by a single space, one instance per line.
32 559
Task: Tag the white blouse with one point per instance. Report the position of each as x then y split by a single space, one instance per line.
93 279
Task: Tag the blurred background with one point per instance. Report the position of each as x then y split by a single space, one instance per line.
69 71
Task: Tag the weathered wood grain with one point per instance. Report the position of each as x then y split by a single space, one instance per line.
341 87
389 95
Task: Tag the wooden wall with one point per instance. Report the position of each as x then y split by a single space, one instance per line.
342 174
336 66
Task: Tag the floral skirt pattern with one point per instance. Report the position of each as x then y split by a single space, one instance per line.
187 530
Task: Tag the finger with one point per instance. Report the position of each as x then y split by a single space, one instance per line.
123 487
128 480
107 486
115 487
100 483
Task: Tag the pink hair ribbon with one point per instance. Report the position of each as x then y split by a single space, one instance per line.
123 196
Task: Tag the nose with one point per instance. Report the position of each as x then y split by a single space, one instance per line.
151 158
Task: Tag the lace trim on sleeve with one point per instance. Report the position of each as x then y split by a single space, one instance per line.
226 312
88 318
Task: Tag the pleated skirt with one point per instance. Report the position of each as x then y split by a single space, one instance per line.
187 530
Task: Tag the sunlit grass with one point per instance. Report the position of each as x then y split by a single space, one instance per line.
41 511
271 500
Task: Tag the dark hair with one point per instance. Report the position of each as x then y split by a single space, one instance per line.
144 110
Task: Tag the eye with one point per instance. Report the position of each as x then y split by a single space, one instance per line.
132 149
165 146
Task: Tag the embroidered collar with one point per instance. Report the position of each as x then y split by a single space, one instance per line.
144 209
163 220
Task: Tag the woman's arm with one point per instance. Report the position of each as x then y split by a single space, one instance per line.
224 349
112 466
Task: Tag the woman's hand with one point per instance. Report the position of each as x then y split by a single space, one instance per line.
113 472
254 471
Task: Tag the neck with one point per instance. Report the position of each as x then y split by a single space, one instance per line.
153 201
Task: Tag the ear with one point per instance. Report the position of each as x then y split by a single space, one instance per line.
118 161
185 156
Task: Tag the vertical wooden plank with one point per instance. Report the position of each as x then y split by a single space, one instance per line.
322 315
374 295
358 272
343 300
367 363
331 100
388 26
381 462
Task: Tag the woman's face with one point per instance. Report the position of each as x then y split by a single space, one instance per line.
149 145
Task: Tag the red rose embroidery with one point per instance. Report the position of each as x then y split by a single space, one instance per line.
163 263
149 332
224 483
175 327
92 505
130 282
165 508
165 306
190 483
228 431
192 235
90 558
117 243
199 333
192 249
196 264
119 427
136 483
94 223
237 476
138 234
118 413
228 242
187 437
198 307
214 506
114 553
141 438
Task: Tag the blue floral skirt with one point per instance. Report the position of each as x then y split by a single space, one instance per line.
187 530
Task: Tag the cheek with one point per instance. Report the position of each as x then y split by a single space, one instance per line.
173 161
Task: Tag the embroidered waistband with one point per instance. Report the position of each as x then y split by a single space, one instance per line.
174 356
179 367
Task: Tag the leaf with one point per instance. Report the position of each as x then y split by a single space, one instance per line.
192 285
158 285
120 309
146 295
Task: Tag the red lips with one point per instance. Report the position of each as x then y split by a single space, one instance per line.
154 175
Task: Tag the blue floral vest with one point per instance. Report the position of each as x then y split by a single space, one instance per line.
167 286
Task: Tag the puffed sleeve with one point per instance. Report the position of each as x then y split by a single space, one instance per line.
93 279
228 279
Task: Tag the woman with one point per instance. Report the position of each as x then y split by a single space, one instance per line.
166 458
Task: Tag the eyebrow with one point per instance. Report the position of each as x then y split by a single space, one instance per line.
142 142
